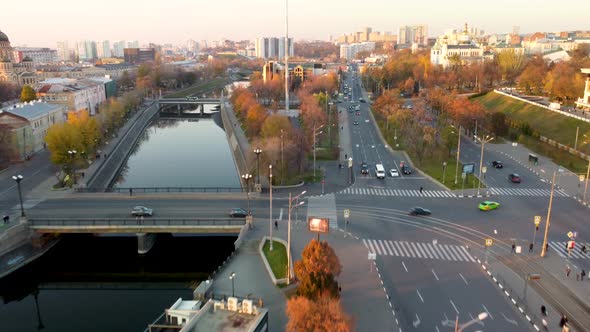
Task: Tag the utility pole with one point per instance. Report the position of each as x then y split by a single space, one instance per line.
270 211
314 145
586 184
282 160
458 153
543 249
576 142
483 141
287 106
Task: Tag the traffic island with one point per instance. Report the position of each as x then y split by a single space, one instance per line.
275 261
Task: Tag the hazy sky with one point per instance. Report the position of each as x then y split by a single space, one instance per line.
42 23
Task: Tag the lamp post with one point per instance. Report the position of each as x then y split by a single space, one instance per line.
483 141
231 277
270 201
586 184
458 154
18 179
543 249
72 154
577 133
444 164
247 178
291 207
257 151
282 159
315 133
479 318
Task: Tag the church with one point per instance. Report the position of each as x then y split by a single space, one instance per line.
22 73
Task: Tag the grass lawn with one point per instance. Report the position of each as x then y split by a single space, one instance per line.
277 258
558 156
550 124
200 88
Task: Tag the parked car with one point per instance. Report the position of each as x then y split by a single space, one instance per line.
142 211
488 205
362 100
394 173
514 178
419 211
364 168
238 213
406 170
497 164
356 123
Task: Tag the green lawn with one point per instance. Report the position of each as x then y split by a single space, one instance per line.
277 258
558 156
200 88
547 123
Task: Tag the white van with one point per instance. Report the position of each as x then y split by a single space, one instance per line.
379 171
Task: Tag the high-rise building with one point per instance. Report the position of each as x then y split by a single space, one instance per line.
118 48
349 51
39 55
63 51
103 49
133 44
272 47
409 34
139 55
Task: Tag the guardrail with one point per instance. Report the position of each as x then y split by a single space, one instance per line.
126 222
134 190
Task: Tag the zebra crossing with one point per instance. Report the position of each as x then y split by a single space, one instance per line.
559 248
424 250
396 192
526 192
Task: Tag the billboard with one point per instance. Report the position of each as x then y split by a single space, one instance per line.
317 224
469 168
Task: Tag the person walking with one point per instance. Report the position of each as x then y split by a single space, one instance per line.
276 225
513 248
563 321
421 189
568 271
6 218
543 311
531 247
582 275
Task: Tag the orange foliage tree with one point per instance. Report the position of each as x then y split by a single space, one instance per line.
317 269
323 315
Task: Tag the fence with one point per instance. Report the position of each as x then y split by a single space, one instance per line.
82 222
133 190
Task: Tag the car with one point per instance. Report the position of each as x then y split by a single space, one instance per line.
514 178
142 211
362 100
419 211
393 172
238 213
497 164
488 205
364 168
358 113
356 123
405 169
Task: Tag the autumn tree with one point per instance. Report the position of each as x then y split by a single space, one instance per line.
317 269
389 102
563 82
27 94
274 124
532 78
510 63
323 315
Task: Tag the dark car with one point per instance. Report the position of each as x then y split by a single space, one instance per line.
497 164
406 170
238 213
514 178
364 168
356 123
418 211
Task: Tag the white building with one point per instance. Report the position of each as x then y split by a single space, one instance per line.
76 94
585 101
118 48
272 47
63 51
39 55
456 47
350 51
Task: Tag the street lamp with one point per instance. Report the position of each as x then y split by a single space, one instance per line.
246 178
444 164
315 133
586 184
72 154
231 277
577 133
257 151
483 141
479 318
458 153
291 207
270 211
18 179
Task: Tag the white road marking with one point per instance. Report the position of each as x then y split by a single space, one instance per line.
465 280
486 309
437 330
405 268
281 214
420 296
417 321
435 274
454 307
511 321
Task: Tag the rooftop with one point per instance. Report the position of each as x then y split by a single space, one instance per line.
214 316
32 110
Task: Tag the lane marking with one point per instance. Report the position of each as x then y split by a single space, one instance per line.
465 280
420 296
486 309
454 307
416 322
405 268
435 275
436 327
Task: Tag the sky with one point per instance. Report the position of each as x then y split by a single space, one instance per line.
176 21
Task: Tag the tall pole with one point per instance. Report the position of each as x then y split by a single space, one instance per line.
258 152
289 244
480 166
586 184
458 154
287 106
282 160
543 251
270 211
329 120
576 142
18 179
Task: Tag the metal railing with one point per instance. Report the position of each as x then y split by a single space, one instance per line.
135 222
134 190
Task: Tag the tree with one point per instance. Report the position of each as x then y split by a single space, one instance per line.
498 124
274 124
564 82
510 63
27 94
532 78
324 315
317 269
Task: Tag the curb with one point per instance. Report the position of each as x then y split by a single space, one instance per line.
267 266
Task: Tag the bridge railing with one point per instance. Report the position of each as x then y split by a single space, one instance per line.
162 190
126 222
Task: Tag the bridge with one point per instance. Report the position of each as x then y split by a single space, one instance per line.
177 107
188 100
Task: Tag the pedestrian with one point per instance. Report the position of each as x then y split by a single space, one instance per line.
582 275
513 248
568 271
6 218
105 155
583 249
276 225
543 310
563 321
421 189
546 247
130 191
531 247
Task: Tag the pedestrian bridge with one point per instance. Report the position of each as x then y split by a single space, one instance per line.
188 100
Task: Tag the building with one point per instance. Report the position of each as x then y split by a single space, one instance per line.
118 48
272 47
410 34
113 70
133 44
139 55
298 71
457 48
76 94
103 49
63 51
28 124
39 55
350 51
22 73
584 102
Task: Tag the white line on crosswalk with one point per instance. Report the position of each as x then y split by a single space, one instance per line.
420 250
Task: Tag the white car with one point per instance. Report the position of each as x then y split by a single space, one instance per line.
394 173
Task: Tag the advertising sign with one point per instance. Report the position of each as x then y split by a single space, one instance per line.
468 168
319 225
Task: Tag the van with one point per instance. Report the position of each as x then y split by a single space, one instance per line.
379 171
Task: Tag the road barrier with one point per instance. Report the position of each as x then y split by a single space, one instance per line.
133 190
136 221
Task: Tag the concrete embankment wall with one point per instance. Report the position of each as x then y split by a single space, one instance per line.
238 143
109 169
14 237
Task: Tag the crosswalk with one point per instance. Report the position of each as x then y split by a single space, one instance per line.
425 250
396 192
526 192
559 248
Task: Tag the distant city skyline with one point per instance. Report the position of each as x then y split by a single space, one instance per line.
176 21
